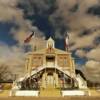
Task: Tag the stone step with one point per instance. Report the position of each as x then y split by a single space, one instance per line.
50 92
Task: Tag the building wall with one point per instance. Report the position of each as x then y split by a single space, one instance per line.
63 60
37 60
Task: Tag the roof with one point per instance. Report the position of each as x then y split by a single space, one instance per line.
43 51
50 39
49 49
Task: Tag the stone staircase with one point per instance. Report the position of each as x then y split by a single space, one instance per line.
50 91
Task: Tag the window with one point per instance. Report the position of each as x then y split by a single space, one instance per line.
65 62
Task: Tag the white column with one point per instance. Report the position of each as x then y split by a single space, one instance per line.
26 65
55 60
30 64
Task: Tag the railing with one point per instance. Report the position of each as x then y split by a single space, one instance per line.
65 71
38 69
32 73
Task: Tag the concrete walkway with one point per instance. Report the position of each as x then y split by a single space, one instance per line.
50 92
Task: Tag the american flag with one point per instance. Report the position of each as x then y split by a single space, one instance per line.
27 40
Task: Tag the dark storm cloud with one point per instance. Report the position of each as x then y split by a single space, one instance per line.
78 20
95 10
63 15
32 7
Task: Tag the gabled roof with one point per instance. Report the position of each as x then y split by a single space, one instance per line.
58 51
43 51
50 49
50 39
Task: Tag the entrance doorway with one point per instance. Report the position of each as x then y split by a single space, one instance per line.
50 79
50 61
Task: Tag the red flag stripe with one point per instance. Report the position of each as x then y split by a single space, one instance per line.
28 38
67 42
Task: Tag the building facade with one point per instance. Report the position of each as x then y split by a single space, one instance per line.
53 60
50 57
50 68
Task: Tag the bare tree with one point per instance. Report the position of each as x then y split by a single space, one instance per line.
5 73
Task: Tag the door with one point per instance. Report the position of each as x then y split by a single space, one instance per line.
50 61
50 80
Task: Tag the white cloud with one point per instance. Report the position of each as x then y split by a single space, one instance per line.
81 53
13 57
94 54
10 13
92 71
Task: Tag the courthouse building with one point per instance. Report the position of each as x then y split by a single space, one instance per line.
50 68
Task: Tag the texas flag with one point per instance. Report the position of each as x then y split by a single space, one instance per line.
27 40
67 42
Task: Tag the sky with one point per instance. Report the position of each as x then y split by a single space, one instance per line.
78 18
